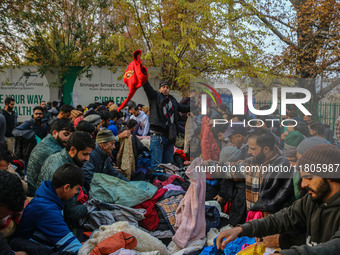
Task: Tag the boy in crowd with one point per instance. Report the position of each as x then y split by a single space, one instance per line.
43 221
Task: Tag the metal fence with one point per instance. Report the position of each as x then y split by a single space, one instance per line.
326 113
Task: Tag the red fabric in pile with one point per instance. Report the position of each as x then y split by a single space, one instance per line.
151 220
82 197
170 180
182 154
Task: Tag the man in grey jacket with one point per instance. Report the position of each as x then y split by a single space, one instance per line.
318 212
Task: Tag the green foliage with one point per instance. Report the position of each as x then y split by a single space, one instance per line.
186 39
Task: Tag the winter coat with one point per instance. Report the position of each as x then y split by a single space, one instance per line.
11 121
24 143
321 221
276 189
39 154
261 185
113 128
43 221
40 131
209 146
99 162
157 119
25 137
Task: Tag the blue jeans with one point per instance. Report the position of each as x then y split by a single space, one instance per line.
161 151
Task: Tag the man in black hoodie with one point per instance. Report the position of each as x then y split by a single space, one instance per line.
164 117
318 212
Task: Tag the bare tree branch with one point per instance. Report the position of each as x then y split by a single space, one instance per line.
268 23
323 92
278 20
332 61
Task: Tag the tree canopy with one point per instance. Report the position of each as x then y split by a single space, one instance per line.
186 39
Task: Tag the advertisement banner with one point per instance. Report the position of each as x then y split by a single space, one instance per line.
27 87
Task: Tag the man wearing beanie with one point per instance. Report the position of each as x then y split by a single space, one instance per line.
318 212
292 140
309 143
164 116
237 135
100 161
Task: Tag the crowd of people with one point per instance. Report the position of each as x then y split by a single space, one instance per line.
68 171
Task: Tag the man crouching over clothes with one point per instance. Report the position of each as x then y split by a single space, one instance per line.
318 212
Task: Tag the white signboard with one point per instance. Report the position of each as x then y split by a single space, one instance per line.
102 84
27 88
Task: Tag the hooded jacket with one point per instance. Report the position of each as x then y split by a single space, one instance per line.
157 119
321 222
43 221
99 162
40 153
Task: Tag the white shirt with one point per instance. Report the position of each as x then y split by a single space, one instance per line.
144 119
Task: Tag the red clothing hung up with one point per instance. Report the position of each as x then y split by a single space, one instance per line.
210 149
135 76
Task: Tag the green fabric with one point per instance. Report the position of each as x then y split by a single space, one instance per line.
296 178
39 154
38 139
294 138
110 189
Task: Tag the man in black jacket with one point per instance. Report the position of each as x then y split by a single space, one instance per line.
11 121
318 213
164 116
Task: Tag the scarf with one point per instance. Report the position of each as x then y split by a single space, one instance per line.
168 111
